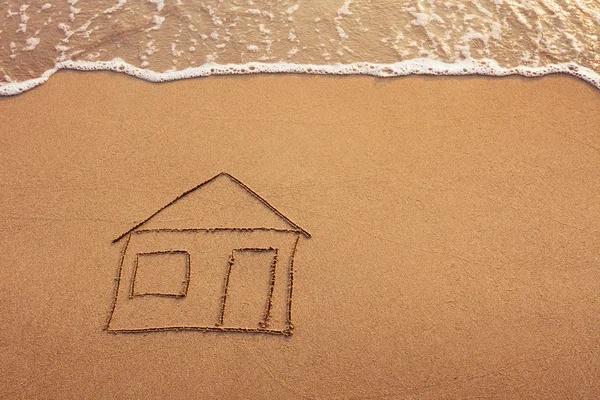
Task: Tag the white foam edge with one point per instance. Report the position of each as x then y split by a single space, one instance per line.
420 66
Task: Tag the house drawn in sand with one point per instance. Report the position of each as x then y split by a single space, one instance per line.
217 258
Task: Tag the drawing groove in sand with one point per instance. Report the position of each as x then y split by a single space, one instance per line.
236 242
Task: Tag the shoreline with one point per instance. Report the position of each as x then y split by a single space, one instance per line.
419 66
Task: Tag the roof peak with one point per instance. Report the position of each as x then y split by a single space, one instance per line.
232 179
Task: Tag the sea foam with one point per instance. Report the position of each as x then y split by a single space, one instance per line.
163 41
422 66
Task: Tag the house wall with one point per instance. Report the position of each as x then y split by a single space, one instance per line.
209 259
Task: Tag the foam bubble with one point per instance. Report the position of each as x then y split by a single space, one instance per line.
32 42
293 9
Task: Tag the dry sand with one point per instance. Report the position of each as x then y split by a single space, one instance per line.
455 234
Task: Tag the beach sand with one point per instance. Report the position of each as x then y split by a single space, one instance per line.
455 234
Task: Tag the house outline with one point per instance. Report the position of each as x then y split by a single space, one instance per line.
125 281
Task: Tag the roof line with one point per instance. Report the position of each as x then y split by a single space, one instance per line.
217 229
250 191
266 203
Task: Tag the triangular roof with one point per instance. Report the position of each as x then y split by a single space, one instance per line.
223 202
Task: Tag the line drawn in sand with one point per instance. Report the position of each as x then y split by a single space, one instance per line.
217 258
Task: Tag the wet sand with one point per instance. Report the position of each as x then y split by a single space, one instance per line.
454 221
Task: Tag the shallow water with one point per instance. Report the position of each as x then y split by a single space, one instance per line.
172 39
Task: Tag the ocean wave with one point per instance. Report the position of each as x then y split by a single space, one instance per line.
163 41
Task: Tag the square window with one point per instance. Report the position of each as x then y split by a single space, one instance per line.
161 273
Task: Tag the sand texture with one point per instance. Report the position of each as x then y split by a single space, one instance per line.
454 247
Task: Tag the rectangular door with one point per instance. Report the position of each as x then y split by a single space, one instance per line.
248 288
